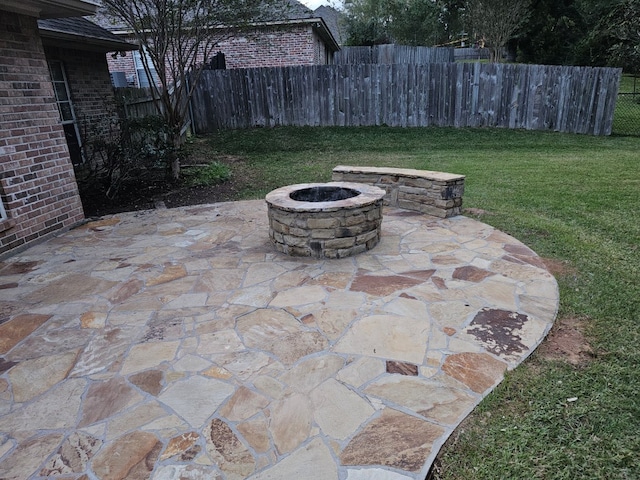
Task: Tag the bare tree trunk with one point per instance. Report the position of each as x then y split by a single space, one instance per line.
495 54
180 35
174 160
175 167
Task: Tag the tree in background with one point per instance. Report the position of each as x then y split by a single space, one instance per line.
622 27
552 34
452 20
592 48
496 21
406 22
415 22
179 36
367 22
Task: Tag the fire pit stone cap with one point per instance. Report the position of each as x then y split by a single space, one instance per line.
281 197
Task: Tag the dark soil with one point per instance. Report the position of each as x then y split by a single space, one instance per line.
567 342
156 190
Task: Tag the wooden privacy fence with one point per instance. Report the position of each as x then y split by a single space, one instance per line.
470 53
139 103
135 102
534 97
390 54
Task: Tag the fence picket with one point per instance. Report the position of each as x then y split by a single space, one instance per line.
570 99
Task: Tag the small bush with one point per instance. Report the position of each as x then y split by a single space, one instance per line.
134 151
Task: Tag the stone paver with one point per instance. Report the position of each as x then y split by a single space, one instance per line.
178 343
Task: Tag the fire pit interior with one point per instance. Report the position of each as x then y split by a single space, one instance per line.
325 220
323 193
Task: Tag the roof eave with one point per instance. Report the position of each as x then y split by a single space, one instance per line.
51 8
82 42
316 22
325 33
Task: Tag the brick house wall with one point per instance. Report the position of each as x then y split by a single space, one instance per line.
274 46
124 63
91 90
37 182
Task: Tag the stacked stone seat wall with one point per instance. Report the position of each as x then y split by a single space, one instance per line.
434 193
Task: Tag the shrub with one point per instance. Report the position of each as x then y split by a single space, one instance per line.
134 150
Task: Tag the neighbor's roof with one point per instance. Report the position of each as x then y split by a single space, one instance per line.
80 33
296 10
290 12
50 8
289 9
331 17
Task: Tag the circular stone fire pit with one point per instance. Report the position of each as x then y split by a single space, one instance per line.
325 220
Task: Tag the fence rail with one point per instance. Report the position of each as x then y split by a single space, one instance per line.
535 97
135 102
393 54
139 103
470 53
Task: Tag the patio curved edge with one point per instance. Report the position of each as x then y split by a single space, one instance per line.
177 342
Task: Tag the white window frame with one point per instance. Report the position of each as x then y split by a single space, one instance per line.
3 212
141 74
73 121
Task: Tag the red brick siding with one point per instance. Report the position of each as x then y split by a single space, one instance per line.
322 53
37 182
276 46
123 63
91 90
273 47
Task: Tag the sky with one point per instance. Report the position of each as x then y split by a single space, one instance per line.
313 4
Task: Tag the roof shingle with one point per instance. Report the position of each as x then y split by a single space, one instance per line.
80 27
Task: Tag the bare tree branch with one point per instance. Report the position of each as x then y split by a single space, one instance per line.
178 37
496 21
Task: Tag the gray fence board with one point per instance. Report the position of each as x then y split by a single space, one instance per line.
393 54
534 97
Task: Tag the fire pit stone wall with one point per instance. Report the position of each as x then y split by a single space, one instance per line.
325 229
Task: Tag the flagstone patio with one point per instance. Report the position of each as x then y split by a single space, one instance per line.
178 344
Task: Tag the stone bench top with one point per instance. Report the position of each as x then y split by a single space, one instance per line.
402 172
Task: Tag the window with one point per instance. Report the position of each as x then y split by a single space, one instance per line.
143 78
3 212
65 107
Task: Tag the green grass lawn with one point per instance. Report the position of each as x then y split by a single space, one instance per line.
571 198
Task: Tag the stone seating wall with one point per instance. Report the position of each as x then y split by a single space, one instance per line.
434 193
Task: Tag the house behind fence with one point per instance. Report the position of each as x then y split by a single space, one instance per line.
533 97
295 35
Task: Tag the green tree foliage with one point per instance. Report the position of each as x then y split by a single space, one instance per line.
622 26
415 22
179 36
582 32
496 21
556 32
367 22
406 22
552 34
452 19
592 48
